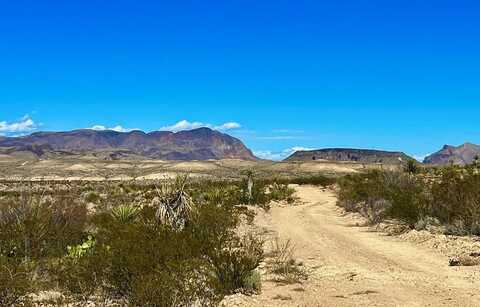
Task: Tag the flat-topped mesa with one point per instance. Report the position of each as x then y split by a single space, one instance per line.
351 155
460 155
197 144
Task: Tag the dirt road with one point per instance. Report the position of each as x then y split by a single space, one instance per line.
352 266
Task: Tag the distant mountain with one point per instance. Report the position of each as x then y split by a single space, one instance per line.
197 144
352 155
461 155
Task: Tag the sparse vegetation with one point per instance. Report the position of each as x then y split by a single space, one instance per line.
283 263
144 243
447 196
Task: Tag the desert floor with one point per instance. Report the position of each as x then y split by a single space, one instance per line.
350 265
87 168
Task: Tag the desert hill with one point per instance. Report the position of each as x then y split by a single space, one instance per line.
197 144
461 155
352 155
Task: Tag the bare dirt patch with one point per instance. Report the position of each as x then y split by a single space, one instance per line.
349 265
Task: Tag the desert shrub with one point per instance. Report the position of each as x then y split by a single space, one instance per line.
258 195
381 194
283 263
34 229
156 243
34 226
15 282
456 200
234 263
319 180
375 210
253 282
141 262
281 191
142 257
185 284
412 167
78 278
427 223
92 197
448 196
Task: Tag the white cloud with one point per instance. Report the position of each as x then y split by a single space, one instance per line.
279 155
228 126
117 128
183 125
300 148
186 125
22 126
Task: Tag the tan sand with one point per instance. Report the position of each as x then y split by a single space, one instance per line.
352 266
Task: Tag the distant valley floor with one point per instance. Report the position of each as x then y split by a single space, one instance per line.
87 168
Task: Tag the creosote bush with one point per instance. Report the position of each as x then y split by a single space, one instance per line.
447 196
384 194
15 282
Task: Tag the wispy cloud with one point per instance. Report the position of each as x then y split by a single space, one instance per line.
117 128
228 126
19 127
279 155
186 125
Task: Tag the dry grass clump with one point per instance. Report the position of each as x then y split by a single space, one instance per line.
282 263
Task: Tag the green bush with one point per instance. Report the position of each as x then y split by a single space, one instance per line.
281 191
318 180
126 250
253 282
450 195
15 282
234 263
456 199
144 260
381 194
33 227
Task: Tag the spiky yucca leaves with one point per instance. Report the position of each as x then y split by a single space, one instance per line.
125 213
174 204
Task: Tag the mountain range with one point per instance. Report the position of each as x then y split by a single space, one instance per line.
197 144
352 155
461 155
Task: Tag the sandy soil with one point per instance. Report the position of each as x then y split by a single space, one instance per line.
82 167
350 265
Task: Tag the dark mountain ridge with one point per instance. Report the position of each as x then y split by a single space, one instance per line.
351 155
197 144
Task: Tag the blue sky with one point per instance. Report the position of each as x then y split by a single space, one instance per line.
395 75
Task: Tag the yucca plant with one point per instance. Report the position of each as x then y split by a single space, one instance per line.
175 205
125 213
